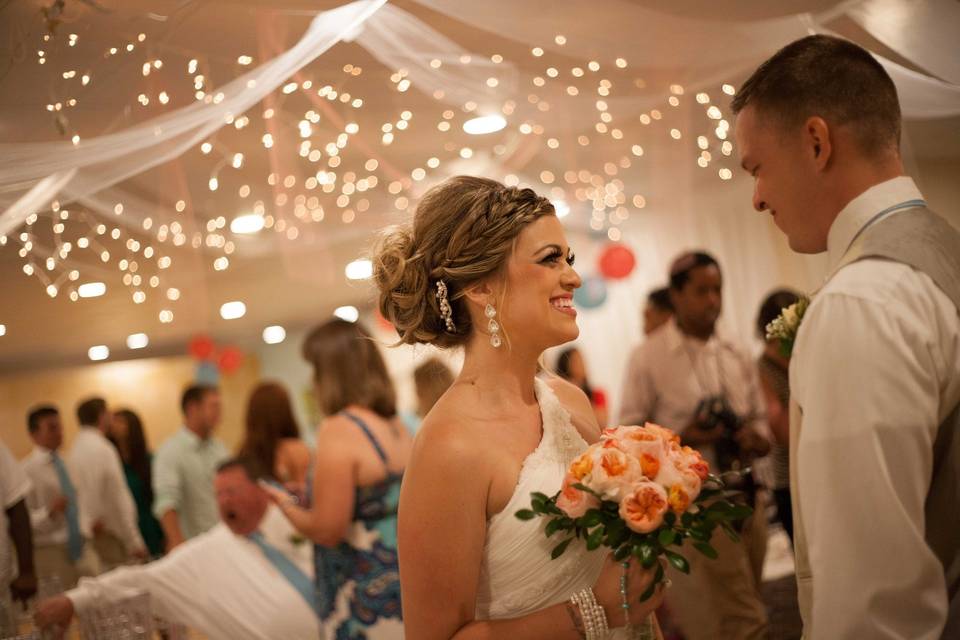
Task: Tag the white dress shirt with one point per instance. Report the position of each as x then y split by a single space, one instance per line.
102 491
14 486
670 373
48 530
875 370
220 584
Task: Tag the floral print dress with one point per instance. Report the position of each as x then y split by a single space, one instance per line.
358 581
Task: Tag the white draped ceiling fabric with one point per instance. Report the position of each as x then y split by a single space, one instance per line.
696 44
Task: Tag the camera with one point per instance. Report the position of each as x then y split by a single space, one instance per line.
714 412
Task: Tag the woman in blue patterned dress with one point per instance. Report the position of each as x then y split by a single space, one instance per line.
362 450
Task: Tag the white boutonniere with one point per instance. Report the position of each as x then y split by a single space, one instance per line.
785 326
296 539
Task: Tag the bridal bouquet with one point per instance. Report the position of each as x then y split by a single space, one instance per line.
641 494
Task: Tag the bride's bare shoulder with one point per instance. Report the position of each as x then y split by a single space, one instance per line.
575 401
453 428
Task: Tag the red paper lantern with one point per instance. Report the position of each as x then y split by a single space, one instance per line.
617 261
230 359
201 347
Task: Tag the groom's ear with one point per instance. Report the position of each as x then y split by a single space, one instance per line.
816 139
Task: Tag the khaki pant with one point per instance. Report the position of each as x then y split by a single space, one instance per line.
54 562
720 599
111 551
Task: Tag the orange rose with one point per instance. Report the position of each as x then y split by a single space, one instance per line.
582 466
695 462
643 508
650 465
678 499
573 501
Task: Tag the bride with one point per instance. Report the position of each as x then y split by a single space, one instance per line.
487 268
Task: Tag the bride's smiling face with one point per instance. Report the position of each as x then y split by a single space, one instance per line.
536 304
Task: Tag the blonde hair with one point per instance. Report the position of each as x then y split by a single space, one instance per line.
463 232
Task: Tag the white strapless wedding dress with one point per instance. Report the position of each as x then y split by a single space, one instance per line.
517 575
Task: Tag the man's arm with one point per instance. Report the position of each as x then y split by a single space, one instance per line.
25 585
869 397
167 497
124 507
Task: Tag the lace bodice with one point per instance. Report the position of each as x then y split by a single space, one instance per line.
517 575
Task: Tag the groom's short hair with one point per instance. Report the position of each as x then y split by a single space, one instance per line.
832 78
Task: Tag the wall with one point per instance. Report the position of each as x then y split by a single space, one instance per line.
151 387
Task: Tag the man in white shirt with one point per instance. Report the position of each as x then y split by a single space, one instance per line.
184 467
875 372
250 577
688 378
105 499
14 534
61 543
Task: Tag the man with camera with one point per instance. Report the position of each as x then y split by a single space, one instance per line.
686 377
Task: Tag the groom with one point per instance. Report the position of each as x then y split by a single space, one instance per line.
875 438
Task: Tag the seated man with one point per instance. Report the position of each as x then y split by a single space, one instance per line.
246 578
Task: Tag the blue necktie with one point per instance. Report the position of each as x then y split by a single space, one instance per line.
290 571
74 538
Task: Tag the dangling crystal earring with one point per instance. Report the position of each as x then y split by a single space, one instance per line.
493 326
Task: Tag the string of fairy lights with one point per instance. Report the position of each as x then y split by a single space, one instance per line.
332 163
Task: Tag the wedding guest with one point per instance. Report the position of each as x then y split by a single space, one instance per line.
431 378
487 268
130 439
104 498
15 536
184 467
245 579
657 311
272 438
875 373
62 541
362 451
773 366
689 378
572 368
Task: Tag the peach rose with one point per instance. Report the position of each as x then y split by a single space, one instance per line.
643 508
678 499
661 432
614 471
695 462
573 501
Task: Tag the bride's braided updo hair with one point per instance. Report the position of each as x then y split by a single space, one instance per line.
462 232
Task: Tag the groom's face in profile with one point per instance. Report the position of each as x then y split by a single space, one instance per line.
785 183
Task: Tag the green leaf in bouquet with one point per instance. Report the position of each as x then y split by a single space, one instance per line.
666 537
706 494
678 561
670 518
591 518
686 519
739 512
560 548
553 526
706 550
536 495
617 533
622 553
526 514
657 579
699 534
594 539
731 532
646 553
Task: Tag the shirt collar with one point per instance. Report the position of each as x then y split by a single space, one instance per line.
42 452
859 211
676 339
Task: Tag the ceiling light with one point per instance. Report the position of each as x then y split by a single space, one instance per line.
137 341
484 124
348 313
274 334
359 270
92 289
99 352
233 310
250 223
